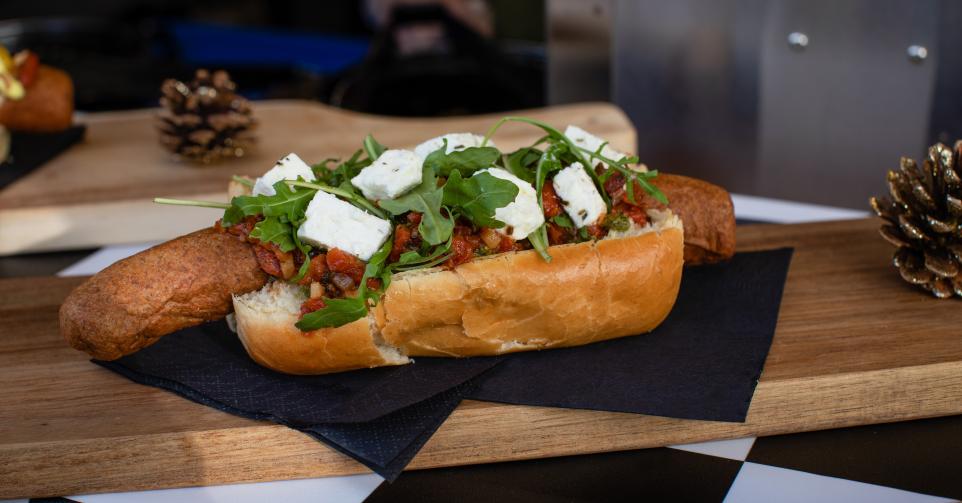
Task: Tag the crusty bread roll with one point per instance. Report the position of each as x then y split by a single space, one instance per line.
46 107
265 324
622 285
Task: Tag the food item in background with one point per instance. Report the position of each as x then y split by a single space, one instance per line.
923 220
440 268
33 97
205 120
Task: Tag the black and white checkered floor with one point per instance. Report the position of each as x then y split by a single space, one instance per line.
916 461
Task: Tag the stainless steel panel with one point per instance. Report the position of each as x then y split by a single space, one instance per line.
717 90
838 113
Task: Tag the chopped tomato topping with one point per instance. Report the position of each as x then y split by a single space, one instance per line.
374 284
315 271
311 305
242 228
463 247
550 201
636 213
414 218
596 231
268 261
615 186
402 237
557 234
507 244
345 263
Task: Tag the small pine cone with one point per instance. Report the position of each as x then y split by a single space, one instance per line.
923 220
205 120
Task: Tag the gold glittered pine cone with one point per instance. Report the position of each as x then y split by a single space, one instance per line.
923 220
205 120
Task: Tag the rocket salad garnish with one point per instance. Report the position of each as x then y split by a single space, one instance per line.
458 210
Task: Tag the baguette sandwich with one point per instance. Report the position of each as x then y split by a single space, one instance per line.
452 249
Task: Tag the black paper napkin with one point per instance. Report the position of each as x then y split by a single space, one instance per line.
380 416
29 151
702 363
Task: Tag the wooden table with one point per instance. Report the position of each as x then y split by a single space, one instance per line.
854 345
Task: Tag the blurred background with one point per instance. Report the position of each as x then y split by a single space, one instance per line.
806 101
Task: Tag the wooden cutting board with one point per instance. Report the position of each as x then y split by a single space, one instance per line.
854 345
100 192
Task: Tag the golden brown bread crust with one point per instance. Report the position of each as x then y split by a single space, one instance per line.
274 342
708 214
46 107
506 303
177 284
511 302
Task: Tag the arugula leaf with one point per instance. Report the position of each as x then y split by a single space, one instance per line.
521 163
465 161
372 147
336 313
374 269
479 196
343 172
539 241
414 260
557 139
273 230
426 199
564 221
286 201
232 215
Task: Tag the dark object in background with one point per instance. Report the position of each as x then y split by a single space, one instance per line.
922 220
428 63
116 63
205 120
29 151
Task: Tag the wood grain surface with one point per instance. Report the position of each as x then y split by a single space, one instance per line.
100 192
854 345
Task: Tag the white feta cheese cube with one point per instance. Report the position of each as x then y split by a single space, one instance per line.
578 194
334 223
456 141
392 174
591 142
523 216
288 168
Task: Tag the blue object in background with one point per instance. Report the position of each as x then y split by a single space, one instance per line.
203 44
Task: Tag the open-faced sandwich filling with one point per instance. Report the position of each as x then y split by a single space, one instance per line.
339 231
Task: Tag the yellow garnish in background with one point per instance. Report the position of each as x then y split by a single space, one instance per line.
6 59
10 87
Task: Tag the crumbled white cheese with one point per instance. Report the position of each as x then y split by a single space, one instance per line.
578 194
334 223
392 174
288 168
523 216
591 142
456 141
